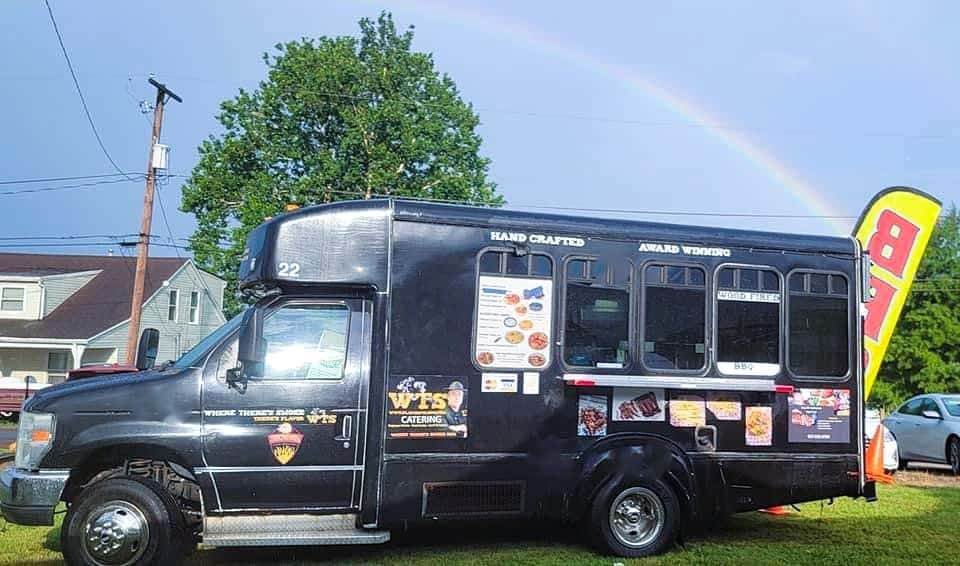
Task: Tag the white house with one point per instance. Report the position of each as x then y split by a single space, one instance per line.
58 312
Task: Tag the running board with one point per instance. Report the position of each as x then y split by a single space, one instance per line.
287 530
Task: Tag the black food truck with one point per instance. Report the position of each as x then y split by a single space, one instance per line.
412 361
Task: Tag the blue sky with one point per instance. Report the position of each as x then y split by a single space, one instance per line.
724 107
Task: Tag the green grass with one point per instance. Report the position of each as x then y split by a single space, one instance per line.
908 524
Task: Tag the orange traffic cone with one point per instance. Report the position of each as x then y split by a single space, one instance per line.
778 510
874 459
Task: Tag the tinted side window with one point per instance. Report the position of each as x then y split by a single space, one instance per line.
674 325
509 263
930 405
819 342
911 407
597 315
748 321
306 342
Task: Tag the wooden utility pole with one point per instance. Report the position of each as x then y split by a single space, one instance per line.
143 247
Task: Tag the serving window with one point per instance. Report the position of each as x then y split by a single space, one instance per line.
513 327
674 322
819 328
596 329
748 321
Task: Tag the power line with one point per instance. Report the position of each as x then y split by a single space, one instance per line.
66 187
83 101
59 179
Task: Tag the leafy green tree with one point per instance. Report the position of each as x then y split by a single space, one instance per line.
336 118
924 354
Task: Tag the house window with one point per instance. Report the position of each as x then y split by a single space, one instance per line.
597 315
675 321
58 362
173 299
194 307
819 340
11 299
748 321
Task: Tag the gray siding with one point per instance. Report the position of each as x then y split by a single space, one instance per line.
59 289
175 337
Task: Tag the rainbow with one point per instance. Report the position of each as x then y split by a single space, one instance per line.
805 193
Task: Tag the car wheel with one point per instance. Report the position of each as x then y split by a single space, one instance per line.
953 455
635 520
123 521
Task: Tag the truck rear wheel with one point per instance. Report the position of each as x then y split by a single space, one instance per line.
123 522
635 520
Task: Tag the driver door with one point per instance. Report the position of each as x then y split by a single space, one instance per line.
293 439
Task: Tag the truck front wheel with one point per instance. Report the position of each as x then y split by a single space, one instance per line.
635 520
123 521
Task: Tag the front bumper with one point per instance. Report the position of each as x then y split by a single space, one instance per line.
29 498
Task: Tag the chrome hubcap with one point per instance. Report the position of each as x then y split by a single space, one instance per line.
636 516
115 534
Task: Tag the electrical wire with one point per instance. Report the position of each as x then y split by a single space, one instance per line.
66 187
83 101
58 179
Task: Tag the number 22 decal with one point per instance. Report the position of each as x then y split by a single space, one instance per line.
285 269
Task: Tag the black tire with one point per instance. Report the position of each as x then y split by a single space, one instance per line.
134 501
662 502
953 455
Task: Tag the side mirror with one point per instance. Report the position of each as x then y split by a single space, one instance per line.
928 414
250 350
147 348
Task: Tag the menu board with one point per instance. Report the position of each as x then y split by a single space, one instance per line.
724 406
514 318
820 415
687 410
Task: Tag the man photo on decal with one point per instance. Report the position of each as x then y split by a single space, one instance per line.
454 415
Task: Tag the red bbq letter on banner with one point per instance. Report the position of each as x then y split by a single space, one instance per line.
890 245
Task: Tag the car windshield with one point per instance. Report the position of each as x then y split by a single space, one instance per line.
196 354
952 404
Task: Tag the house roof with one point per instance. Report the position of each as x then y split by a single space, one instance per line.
100 304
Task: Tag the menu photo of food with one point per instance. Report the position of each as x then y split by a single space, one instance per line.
758 426
633 404
592 415
514 322
687 411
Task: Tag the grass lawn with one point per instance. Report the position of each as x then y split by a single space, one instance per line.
915 524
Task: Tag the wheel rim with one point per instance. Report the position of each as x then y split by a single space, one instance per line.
955 456
636 517
115 533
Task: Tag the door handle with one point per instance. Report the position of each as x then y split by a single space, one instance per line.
346 429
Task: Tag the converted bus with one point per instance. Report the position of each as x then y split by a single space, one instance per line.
410 361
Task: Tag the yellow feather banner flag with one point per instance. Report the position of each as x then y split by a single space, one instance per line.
894 229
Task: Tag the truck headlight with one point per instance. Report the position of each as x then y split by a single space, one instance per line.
34 438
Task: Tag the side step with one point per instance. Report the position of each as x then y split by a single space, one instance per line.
287 530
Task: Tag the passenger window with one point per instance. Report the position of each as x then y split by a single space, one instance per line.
674 325
509 263
306 342
490 262
748 321
819 340
597 321
930 405
911 407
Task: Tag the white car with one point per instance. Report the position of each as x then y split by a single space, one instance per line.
891 452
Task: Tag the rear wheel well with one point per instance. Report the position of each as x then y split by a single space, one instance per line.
154 463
